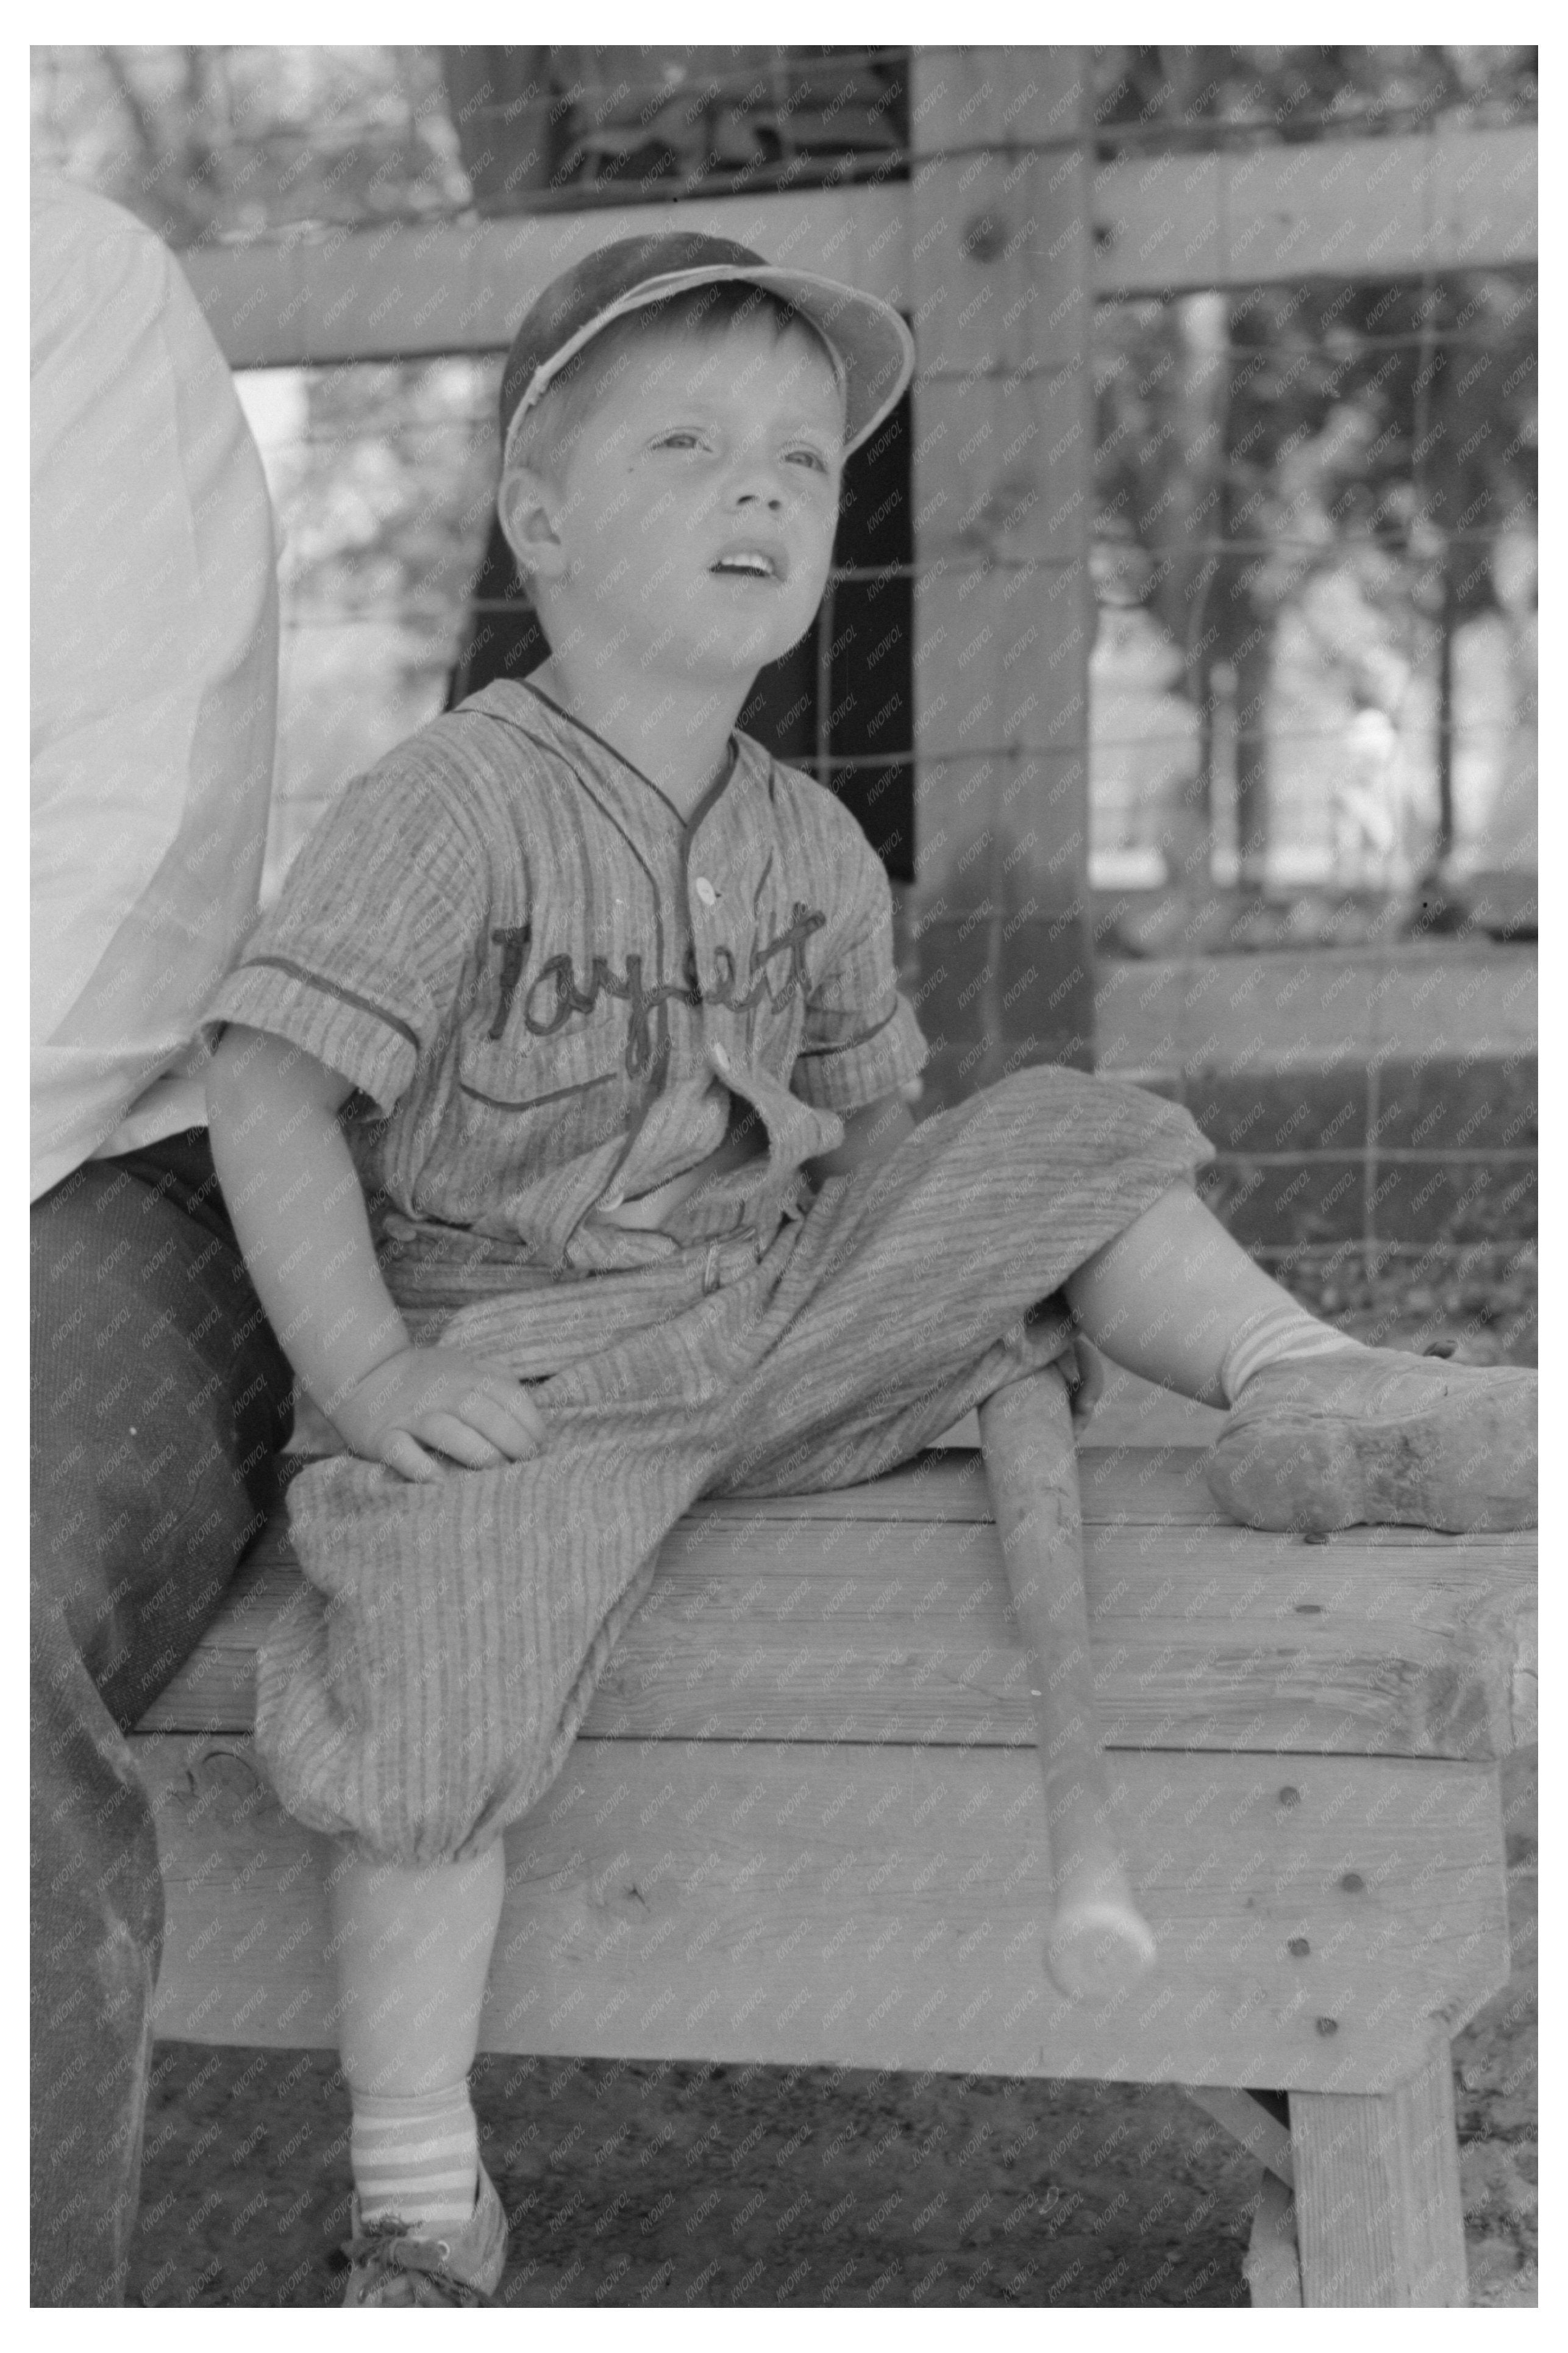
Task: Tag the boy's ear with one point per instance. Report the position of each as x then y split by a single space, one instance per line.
526 505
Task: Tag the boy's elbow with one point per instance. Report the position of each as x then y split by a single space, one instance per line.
248 1064
220 1076
240 1059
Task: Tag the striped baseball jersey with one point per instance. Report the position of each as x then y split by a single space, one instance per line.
552 990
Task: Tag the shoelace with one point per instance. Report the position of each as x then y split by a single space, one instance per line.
389 2245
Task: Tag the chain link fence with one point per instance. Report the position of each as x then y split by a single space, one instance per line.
1313 682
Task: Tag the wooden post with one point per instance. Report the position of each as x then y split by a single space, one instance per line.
1003 456
501 105
1378 2214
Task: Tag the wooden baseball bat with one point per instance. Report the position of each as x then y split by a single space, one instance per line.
1099 1942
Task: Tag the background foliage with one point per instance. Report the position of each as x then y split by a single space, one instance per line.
1341 475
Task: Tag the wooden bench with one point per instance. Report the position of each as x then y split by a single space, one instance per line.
803 1823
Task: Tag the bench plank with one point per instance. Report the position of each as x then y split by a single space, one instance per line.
881 1612
884 1907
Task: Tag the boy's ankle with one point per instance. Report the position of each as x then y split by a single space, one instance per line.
1285 1335
416 2159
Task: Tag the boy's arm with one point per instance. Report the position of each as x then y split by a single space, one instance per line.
293 1194
860 1045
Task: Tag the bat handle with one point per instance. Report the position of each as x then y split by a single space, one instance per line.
1099 1943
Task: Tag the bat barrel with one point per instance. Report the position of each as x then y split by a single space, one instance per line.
1098 1940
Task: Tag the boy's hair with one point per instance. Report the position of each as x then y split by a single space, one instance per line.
548 435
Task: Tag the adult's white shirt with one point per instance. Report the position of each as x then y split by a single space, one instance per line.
155 682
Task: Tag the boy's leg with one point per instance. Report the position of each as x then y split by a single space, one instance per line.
1175 1300
413 1955
1054 1201
413 1949
1325 1432
430 1704
158 1397
425 1692
921 1285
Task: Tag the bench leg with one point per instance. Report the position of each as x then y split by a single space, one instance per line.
1378 2215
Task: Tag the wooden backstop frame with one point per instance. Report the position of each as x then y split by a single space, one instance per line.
997 247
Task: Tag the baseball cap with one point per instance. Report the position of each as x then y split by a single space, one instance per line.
872 347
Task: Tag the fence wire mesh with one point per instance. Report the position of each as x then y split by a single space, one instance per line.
1314 534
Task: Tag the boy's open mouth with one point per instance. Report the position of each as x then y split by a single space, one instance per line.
749 564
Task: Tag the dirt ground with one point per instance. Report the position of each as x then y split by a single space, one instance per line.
653 2185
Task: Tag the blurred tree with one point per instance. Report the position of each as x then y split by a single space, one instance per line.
1247 442
1186 97
384 488
386 494
231 141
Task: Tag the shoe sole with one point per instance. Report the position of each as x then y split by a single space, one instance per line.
1465 1467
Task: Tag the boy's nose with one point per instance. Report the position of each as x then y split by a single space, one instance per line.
757 480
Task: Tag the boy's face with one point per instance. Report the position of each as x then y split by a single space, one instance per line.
694 524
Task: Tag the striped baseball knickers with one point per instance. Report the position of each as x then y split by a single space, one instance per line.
426 1690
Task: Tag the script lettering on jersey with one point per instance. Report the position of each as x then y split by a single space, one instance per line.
512 942
557 995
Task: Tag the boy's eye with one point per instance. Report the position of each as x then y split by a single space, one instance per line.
683 437
812 457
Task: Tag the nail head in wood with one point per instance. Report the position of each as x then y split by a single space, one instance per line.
985 236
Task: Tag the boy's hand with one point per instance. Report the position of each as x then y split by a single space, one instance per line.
443 1399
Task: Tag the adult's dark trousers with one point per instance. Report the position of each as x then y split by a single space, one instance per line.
160 1398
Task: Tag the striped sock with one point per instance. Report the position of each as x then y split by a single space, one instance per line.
1276 1335
416 2157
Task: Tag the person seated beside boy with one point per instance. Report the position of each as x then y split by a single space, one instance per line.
603 999
159 1394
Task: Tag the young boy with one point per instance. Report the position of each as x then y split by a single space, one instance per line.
597 1001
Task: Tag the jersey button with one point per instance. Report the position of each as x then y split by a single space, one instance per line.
705 891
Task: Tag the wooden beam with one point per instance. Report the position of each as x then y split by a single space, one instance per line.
886 1906
1249 2122
408 289
844 1614
1332 207
1344 207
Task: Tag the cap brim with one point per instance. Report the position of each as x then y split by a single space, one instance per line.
875 348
